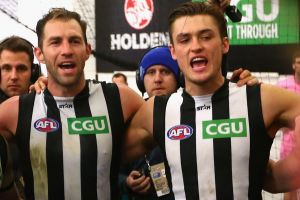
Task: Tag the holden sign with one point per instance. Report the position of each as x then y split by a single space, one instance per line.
138 13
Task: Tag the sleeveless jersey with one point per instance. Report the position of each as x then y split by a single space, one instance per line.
216 146
70 146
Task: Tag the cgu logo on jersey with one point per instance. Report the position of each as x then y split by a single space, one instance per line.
46 125
180 132
224 128
88 125
138 13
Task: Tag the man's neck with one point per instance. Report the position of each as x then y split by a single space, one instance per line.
208 87
297 79
66 91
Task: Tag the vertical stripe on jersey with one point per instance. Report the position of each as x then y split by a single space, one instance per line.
54 157
88 154
104 144
159 114
222 149
112 98
172 147
188 154
38 154
238 107
204 148
22 136
260 144
70 150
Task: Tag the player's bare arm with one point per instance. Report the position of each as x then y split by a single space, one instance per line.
280 108
130 102
139 135
9 110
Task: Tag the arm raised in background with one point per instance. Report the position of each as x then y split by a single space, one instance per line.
280 109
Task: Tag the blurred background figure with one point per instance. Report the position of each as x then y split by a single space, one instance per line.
119 78
291 83
16 66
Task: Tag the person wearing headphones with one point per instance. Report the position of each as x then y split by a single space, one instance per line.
17 72
158 74
16 67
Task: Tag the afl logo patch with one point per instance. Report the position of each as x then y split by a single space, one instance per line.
180 132
46 125
138 13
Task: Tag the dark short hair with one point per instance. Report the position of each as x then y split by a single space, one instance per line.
198 8
59 14
117 75
296 55
17 44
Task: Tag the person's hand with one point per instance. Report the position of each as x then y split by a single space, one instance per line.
39 85
224 4
221 3
137 183
243 77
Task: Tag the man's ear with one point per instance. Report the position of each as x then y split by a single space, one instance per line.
88 51
172 50
225 45
39 55
294 66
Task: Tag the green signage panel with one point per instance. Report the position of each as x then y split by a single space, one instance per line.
265 22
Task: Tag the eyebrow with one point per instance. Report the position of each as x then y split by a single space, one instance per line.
203 31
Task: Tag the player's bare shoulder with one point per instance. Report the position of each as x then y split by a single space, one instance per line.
9 111
130 100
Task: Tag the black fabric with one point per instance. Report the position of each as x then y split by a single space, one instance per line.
3 96
189 158
22 138
88 150
260 144
54 152
113 101
159 114
222 147
3 154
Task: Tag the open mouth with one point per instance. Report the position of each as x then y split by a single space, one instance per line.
13 86
67 65
198 62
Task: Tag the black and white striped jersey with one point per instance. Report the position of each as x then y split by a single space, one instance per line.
216 146
70 146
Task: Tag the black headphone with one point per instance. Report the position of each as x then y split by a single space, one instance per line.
139 81
35 67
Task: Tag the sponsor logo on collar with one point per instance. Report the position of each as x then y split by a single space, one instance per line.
65 105
204 107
